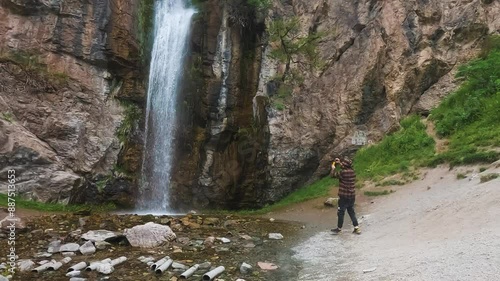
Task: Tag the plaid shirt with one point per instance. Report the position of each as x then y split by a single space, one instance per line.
347 180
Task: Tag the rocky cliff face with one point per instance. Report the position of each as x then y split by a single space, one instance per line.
382 60
66 69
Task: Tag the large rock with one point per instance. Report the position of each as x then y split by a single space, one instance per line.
58 109
149 235
99 235
12 224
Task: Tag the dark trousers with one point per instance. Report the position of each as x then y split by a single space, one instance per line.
346 203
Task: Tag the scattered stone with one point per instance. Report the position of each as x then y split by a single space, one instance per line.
76 234
246 237
102 245
149 235
42 255
6 224
165 221
239 279
99 235
173 278
82 221
271 220
36 231
205 265
77 279
249 245
25 265
303 227
275 236
267 266
229 223
105 268
209 242
177 249
68 254
224 240
146 259
222 249
211 221
183 240
192 212
43 262
177 265
369 270
54 246
70 247
332 202
245 268
87 248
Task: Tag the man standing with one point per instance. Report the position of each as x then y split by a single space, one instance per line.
347 193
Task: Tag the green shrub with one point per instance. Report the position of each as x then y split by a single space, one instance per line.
378 193
397 152
489 177
461 176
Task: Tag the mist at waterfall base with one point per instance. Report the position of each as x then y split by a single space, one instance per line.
171 31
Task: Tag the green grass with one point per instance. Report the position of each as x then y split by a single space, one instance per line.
54 207
469 116
482 169
489 177
378 193
461 176
7 116
397 152
391 182
315 190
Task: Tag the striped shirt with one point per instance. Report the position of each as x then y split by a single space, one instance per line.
347 182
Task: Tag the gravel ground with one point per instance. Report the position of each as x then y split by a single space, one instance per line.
438 228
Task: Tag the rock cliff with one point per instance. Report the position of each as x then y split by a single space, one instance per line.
66 70
381 60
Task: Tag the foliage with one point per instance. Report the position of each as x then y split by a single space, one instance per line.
145 27
489 177
289 46
7 116
132 114
54 207
396 152
260 4
378 193
461 176
469 117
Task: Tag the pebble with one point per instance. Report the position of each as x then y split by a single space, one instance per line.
246 237
369 270
205 265
25 265
87 248
224 240
146 259
70 247
74 273
177 265
275 236
102 245
245 268
54 246
68 254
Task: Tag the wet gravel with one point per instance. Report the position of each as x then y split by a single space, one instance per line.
188 248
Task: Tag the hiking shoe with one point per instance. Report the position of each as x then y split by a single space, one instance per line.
336 230
356 230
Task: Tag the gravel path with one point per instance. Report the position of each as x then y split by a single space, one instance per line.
439 228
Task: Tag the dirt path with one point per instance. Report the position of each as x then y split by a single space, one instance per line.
439 228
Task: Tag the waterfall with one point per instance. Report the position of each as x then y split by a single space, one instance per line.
171 31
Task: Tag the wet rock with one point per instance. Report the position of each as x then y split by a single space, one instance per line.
36 231
146 259
70 247
249 245
99 235
267 266
275 236
246 237
87 248
42 255
205 265
149 235
229 223
331 202
224 240
102 245
245 268
183 240
105 268
209 242
25 265
54 246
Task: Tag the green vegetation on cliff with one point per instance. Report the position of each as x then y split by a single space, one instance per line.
396 152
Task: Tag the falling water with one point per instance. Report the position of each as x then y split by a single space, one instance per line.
172 25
